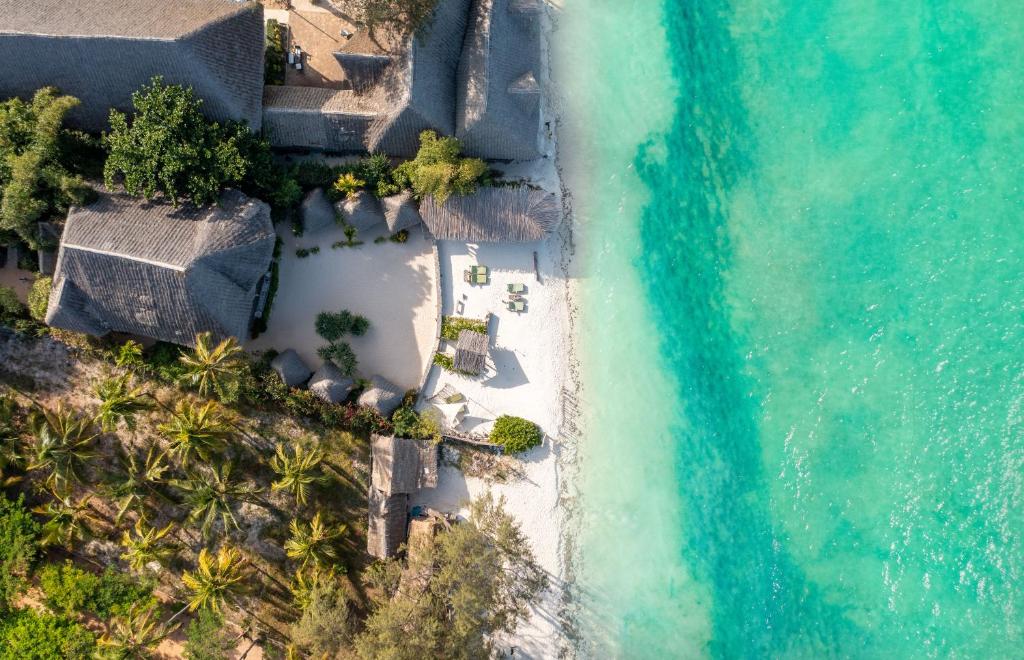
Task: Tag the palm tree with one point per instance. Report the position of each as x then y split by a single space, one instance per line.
213 495
138 481
313 543
145 545
119 402
215 368
196 431
62 443
8 440
297 472
69 521
135 634
305 583
215 580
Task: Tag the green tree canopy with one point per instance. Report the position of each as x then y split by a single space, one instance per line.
516 434
400 16
439 169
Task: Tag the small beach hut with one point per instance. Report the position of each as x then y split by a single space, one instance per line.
400 212
470 352
500 214
402 465
388 525
317 212
382 395
330 384
290 367
362 210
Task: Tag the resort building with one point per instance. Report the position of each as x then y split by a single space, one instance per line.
100 51
151 270
498 104
504 214
400 467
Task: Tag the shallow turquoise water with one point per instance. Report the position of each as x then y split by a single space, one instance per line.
803 329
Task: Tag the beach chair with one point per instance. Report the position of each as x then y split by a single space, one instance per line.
516 306
516 287
479 270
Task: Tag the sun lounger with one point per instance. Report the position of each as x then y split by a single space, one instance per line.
516 287
479 270
516 306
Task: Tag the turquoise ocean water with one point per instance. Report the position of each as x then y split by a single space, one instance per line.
802 340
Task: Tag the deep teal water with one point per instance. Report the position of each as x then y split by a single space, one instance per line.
804 326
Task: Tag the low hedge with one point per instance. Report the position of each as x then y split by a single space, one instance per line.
516 434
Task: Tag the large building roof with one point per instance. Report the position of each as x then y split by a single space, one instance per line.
401 465
498 105
148 269
493 215
101 51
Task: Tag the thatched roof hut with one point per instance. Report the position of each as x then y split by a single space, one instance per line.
497 112
389 521
493 215
318 118
291 368
382 395
361 210
101 51
470 352
152 270
400 212
317 212
401 465
330 384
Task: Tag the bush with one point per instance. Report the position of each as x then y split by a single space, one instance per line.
439 170
342 355
376 171
323 629
302 253
28 634
11 308
311 174
400 237
19 545
408 423
332 326
516 434
39 298
444 361
70 590
163 360
116 591
347 185
207 638
451 326
274 55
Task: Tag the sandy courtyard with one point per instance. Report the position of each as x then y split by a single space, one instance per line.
393 285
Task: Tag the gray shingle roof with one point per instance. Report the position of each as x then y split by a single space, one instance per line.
317 212
382 395
470 352
330 384
291 368
402 465
388 525
400 212
100 51
362 70
362 210
317 118
498 103
145 268
493 215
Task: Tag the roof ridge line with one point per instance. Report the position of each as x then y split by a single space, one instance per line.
122 255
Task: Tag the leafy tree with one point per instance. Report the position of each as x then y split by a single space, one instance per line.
410 424
215 368
213 495
325 626
402 16
169 147
11 308
68 521
217 579
34 184
29 634
145 544
297 471
134 635
516 434
120 403
67 588
347 185
342 355
479 578
62 444
439 170
207 638
376 171
313 542
39 297
19 545
273 53
196 431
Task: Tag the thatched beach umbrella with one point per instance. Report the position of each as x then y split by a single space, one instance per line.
290 367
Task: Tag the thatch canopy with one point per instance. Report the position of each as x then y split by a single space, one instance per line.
317 212
388 526
362 210
291 368
100 51
498 104
400 212
318 118
470 352
382 395
401 465
149 269
330 384
493 215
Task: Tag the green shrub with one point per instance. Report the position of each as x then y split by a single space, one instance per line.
332 326
163 360
274 55
19 546
31 635
439 170
347 185
311 174
207 638
70 590
117 591
444 361
410 424
375 170
342 355
401 236
11 308
451 326
39 298
302 253
516 434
